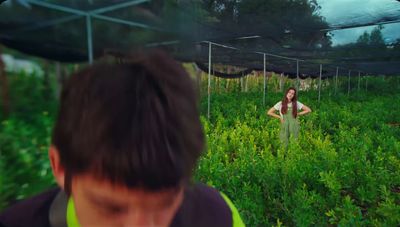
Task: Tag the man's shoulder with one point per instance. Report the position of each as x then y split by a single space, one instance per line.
33 211
205 194
203 206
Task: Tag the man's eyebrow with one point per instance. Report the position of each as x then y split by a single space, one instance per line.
104 201
170 199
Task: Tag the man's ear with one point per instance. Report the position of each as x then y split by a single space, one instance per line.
56 166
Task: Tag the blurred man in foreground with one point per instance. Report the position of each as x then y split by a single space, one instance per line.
124 147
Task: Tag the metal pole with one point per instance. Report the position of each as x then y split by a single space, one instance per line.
246 83
319 84
213 81
297 75
366 83
209 79
348 84
265 80
89 38
118 6
57 7
241 82
125 22
268 54
336 82
359 77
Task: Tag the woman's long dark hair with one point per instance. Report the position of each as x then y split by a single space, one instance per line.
285 102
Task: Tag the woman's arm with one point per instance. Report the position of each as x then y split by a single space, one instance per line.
271 112
305 111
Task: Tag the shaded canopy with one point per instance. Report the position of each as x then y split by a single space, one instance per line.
296 36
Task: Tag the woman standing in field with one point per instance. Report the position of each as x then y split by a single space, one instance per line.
288 112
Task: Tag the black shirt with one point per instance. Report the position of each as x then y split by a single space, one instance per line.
202 206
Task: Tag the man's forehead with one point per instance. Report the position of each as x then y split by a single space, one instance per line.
96 186
124 198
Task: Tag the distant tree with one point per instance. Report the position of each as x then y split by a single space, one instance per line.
376 38
283 25
368 46
396 45
363 39
288 23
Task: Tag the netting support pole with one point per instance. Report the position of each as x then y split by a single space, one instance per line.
348 84
246 83
265 80
366 83
336 81
319 84
297 75
209 80
89 38
359 77
241 82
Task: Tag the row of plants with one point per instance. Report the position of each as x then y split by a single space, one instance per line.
343 170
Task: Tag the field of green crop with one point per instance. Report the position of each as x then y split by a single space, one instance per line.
343 170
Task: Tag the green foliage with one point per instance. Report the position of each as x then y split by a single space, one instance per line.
25 169
332 175
297 13
24 140
344 169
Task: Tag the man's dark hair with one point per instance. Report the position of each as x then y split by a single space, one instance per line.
135 124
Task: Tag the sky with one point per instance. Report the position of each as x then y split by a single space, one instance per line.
347 10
